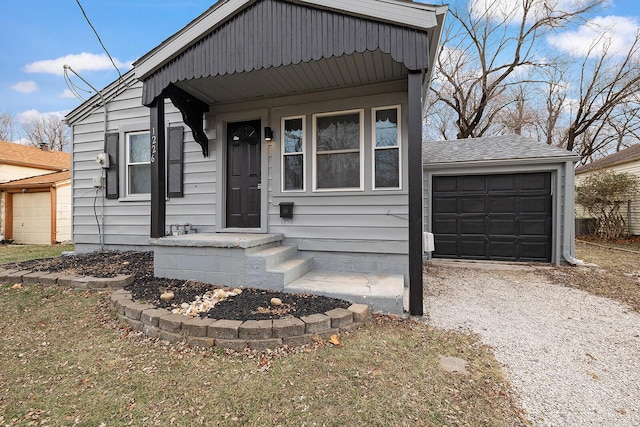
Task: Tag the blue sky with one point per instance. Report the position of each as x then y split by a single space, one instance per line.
38 36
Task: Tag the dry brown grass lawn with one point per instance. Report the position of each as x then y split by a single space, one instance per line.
617 275
66 361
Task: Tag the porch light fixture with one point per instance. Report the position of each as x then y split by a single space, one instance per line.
268 134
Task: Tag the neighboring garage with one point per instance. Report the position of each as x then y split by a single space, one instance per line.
504 198
39 209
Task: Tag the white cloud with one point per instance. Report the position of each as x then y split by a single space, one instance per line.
28 86
615 34
79 62
33 113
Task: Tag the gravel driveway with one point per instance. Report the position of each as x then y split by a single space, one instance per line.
572 358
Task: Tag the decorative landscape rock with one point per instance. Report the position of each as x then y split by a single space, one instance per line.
276 302
235 334
167 296
203 303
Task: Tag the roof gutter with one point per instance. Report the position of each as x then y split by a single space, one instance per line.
498 162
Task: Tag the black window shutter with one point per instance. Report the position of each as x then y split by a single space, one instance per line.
111 148
174 163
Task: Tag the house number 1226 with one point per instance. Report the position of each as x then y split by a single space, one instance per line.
154 145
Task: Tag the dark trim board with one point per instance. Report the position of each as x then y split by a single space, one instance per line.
506 217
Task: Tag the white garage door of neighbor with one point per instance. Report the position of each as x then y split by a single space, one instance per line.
32 218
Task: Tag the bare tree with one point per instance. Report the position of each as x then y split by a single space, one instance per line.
48 131
6 127
607 95
486 44
553 92
519 116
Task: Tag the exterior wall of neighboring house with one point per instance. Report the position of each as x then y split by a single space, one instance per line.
631 212
365 221
2 217
63 213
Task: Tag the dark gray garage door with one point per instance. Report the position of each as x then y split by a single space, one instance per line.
493 217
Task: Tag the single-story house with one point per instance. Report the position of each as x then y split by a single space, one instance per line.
627 161
35 194
269 143
506 198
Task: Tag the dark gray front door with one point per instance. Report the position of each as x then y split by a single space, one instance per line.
494 217
243 174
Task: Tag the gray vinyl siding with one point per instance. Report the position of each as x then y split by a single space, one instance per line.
127 220
373 221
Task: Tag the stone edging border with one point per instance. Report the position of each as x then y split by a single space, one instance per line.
235 334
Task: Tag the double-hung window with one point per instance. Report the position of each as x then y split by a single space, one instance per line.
293 148
337 140
386 147
138 163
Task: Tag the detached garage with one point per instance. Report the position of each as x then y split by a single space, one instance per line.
39 209
504 198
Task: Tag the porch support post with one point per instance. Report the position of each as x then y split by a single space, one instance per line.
414 131
158 203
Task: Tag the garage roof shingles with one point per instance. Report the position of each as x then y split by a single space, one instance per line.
24 155
507 147
40 181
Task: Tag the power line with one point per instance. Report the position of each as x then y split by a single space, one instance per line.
99 39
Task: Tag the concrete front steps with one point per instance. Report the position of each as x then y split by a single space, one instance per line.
279 266
262 261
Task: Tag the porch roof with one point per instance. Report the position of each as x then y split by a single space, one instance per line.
292 46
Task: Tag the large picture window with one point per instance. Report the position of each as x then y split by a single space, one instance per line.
138 163
293 147
386 147
338 139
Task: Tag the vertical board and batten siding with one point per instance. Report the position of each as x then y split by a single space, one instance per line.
632 168
127 220
272 33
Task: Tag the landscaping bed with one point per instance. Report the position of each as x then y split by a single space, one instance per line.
251 304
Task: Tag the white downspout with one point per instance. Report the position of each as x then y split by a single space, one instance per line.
569 222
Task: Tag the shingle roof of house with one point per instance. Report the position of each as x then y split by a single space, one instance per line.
627 155
486 149
24 155
39 181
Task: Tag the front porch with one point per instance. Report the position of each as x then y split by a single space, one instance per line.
262 261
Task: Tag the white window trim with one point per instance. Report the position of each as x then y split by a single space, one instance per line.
129 195
374 148
360 112
303 152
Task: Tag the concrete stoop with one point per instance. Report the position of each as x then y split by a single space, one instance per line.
262 261
381 292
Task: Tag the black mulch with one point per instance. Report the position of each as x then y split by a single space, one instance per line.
251 304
